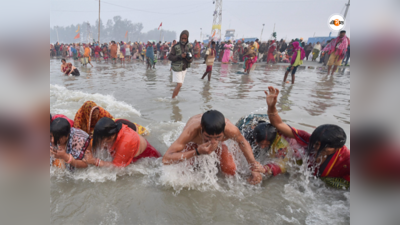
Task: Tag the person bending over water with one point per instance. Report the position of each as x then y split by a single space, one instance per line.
328 157
88 115
204 134
71 70
63 66
123 143
68 145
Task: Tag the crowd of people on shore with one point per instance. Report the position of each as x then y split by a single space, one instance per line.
272 51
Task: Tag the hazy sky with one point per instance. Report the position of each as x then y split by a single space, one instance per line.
293 18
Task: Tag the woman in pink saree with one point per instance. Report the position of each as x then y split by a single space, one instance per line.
227 52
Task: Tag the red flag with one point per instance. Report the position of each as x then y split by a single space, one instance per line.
160 25
126 34
77 36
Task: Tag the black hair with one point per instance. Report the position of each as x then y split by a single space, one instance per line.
342 31
264 131
256 39
329 136
127 122
51 118
63 60
213 122
104 128
213 43
60 127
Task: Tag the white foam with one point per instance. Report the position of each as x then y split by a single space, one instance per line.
68 102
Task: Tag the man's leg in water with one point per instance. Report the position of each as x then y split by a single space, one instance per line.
334 69
204 75
329 69
177 89
227 163
178 78
209 76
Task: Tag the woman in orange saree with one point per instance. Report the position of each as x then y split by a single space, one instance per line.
88 115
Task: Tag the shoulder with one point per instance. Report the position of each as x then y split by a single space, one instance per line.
194 122
231 130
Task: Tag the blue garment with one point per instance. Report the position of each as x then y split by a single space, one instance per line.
150 54
73 50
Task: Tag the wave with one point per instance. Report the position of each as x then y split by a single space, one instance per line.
67 102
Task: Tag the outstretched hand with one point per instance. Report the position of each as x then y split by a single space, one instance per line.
272 96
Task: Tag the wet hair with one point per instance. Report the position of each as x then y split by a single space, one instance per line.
60 127
104 128
213 122
127 122
329 135
264 131
63 60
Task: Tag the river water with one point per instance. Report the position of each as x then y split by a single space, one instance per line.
149 193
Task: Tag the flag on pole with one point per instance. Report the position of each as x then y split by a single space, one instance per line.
126 34
160 26
78 29
77 36
213 34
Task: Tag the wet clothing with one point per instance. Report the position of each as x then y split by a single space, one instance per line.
335 171
83 118
337 165
75 72
127 145
78 142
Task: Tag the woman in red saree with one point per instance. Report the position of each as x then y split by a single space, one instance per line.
271 50
125 145
328 157
88 115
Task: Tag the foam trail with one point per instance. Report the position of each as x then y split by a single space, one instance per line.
64 99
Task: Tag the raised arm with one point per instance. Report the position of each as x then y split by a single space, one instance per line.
273 116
